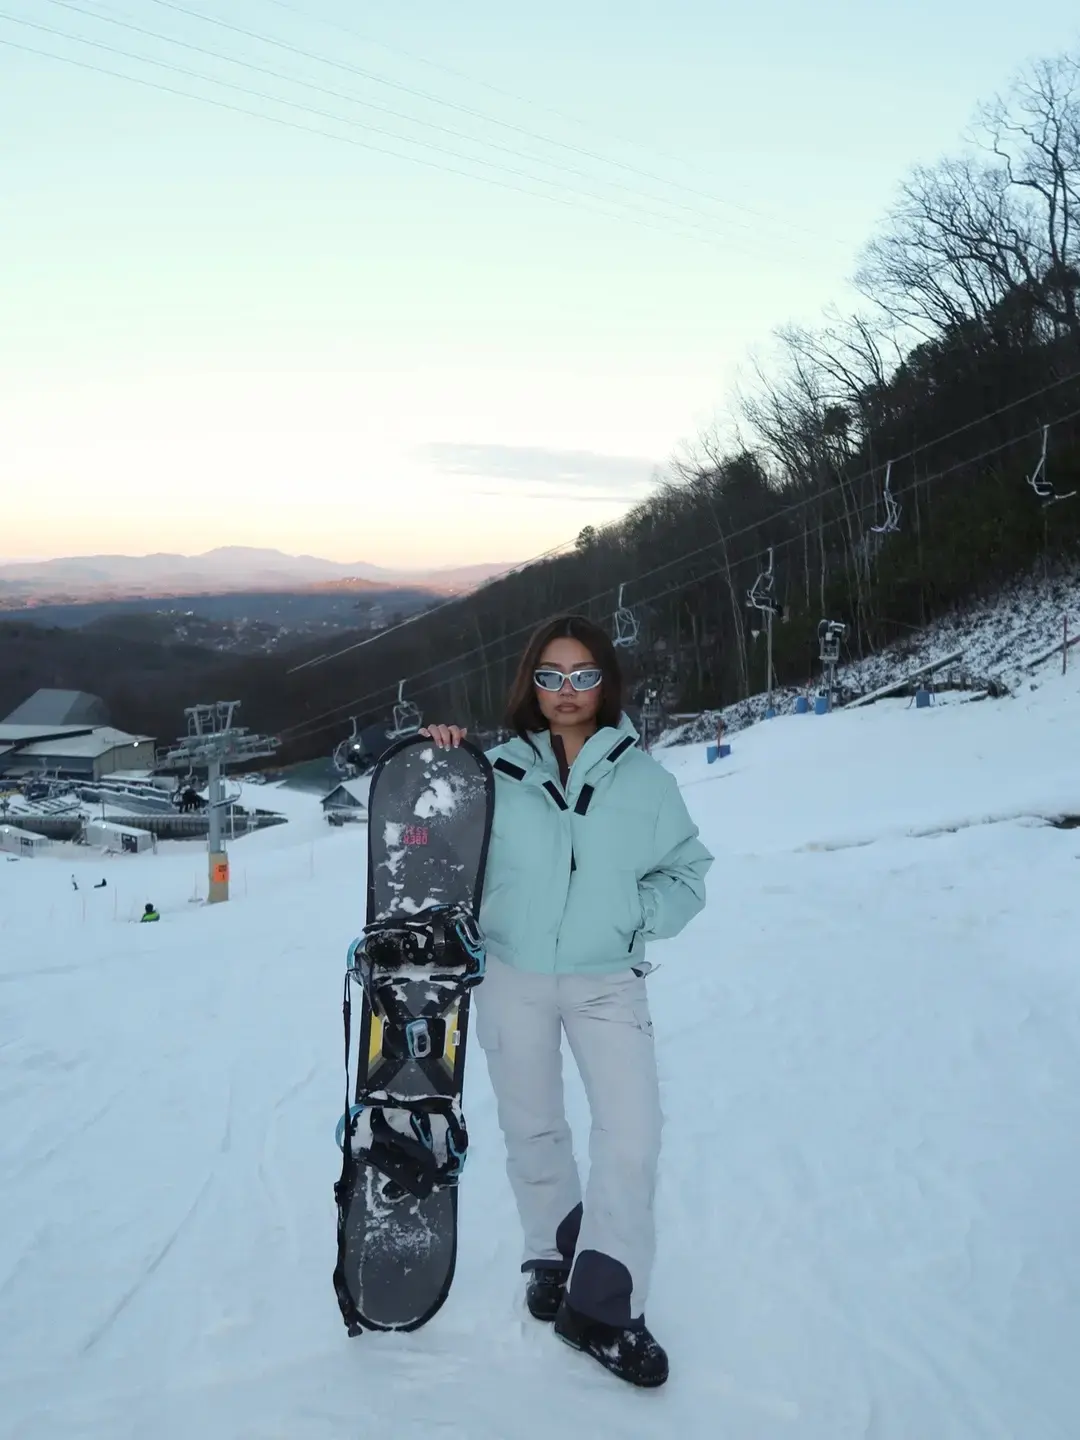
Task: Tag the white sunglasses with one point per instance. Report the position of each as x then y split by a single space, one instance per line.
587 678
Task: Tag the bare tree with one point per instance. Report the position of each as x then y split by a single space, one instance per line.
1034 132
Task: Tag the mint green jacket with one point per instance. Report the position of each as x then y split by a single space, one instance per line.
579 880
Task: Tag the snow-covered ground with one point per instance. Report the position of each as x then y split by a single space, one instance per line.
870 1057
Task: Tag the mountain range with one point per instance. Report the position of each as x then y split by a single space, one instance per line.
226 569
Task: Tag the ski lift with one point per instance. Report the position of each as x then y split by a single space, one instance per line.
626 625
347 753
1037 479
228 797
407 717
892 509
760 595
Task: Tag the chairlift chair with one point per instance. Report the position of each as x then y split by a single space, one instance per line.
760 595
344 760
407 716
626 625
892 509
1037 479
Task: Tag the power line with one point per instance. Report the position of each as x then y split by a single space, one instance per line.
303 730
297 124
353 99
544 109
463 109
627 214
786 510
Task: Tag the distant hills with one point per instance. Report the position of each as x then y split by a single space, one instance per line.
227 569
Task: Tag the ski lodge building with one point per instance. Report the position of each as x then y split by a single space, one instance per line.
66 734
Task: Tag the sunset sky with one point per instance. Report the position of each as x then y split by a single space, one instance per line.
222 328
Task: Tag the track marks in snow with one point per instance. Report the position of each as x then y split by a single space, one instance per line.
153 1265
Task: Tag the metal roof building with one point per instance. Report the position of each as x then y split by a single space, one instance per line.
66 733
60 707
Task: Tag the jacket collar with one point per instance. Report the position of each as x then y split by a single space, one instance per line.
600 753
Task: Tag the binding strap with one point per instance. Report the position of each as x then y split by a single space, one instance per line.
344 1186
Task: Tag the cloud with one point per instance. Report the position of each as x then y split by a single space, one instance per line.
546 474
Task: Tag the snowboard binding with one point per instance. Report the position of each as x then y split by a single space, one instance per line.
418 1147
441 937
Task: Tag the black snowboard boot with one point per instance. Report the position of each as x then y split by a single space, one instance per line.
545 1291
631 1354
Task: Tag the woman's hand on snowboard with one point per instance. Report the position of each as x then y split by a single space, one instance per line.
445 736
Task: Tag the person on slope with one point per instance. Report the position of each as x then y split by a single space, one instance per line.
592 855
149 914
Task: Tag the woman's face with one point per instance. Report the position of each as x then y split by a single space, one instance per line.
568 708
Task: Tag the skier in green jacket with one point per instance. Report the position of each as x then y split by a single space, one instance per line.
593 854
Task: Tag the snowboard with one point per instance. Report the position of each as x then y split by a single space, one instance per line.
403 1133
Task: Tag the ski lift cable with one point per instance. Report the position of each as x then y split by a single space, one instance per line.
301 731
757 215
293 731
574 193
784 511
337 63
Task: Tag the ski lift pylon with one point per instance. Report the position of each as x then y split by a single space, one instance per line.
1037 479
626 625
407 717
892 509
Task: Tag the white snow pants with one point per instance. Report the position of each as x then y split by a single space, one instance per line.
608 1242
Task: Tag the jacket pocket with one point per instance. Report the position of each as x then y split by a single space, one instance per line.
505 909
632 911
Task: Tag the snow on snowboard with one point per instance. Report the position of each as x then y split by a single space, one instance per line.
403 1135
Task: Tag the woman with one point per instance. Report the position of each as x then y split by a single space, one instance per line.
592 855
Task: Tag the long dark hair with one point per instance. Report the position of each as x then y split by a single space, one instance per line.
522 709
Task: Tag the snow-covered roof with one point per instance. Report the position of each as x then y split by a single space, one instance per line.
18 731
76 743
60 707
357 790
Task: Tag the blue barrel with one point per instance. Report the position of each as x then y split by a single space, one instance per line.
821 705
922 699
802 705
770 713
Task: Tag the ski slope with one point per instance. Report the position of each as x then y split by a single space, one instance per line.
997 640
870 1056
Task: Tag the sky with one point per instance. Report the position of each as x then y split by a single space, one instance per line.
430 284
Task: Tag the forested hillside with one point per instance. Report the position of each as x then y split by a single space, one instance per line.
961 362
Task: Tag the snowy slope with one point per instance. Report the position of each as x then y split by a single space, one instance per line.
870 1059
997 640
